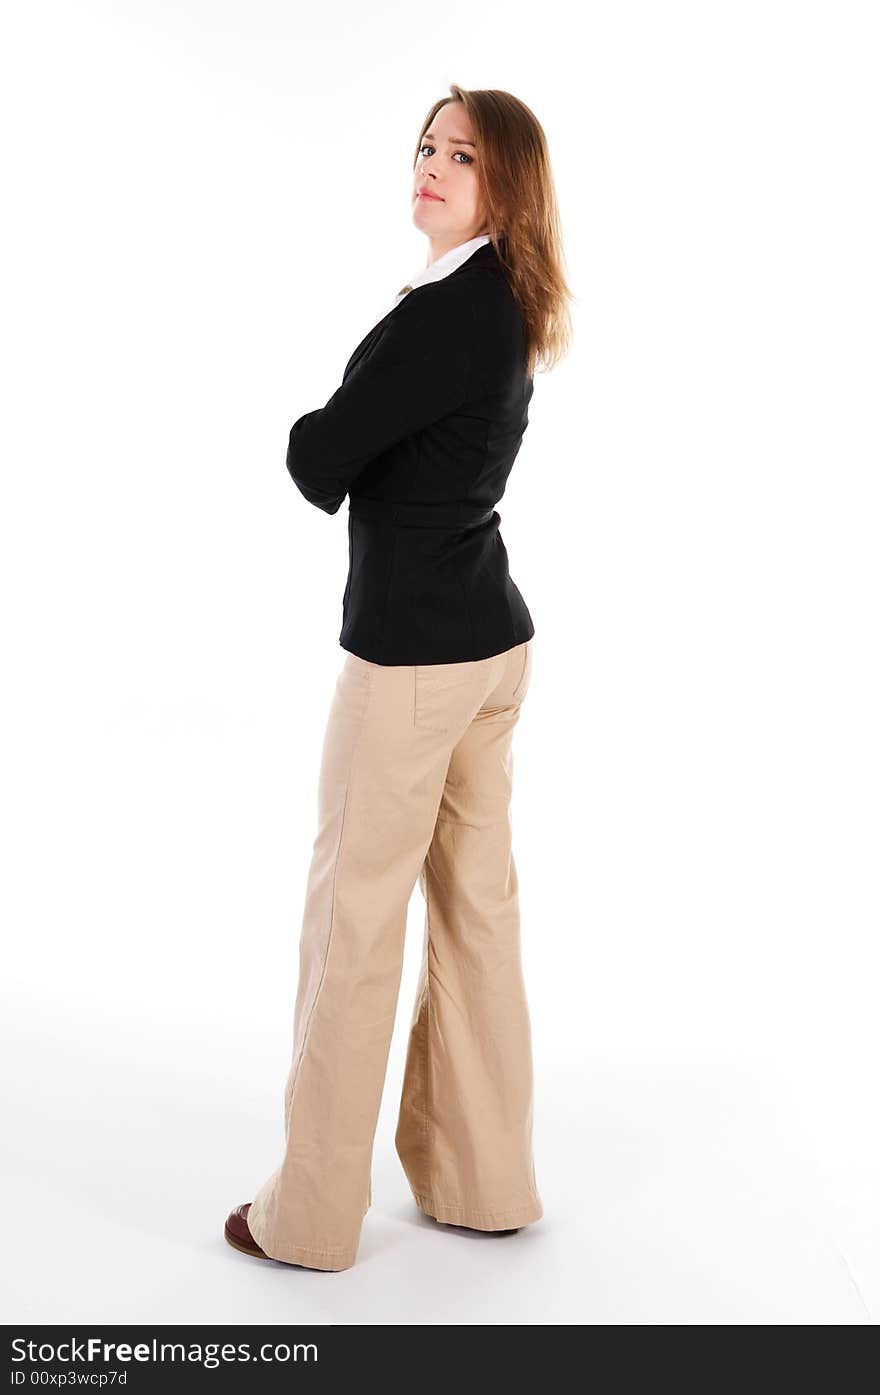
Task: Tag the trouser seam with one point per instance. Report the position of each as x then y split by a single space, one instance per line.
337 854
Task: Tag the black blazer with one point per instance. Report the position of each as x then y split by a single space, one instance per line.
422 435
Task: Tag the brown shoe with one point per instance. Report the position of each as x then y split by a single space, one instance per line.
237 1232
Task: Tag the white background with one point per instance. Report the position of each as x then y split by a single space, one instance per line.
207 205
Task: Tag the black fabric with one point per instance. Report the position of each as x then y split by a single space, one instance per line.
422 435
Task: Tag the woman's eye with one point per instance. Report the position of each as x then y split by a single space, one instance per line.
469 158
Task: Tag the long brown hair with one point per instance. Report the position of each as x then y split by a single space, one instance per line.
525 230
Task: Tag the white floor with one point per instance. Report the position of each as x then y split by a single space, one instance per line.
679 1187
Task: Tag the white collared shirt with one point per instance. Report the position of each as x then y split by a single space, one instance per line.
436 271
443 265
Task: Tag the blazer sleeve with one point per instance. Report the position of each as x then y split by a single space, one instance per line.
417 372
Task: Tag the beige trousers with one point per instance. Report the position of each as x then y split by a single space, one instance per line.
415 785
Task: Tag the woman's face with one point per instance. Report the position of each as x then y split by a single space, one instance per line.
447 167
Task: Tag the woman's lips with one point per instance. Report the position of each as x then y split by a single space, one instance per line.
429 198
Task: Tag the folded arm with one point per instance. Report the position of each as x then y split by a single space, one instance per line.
417 373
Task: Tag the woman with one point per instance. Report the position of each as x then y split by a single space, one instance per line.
416 767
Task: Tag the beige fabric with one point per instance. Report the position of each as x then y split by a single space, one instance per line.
415 785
